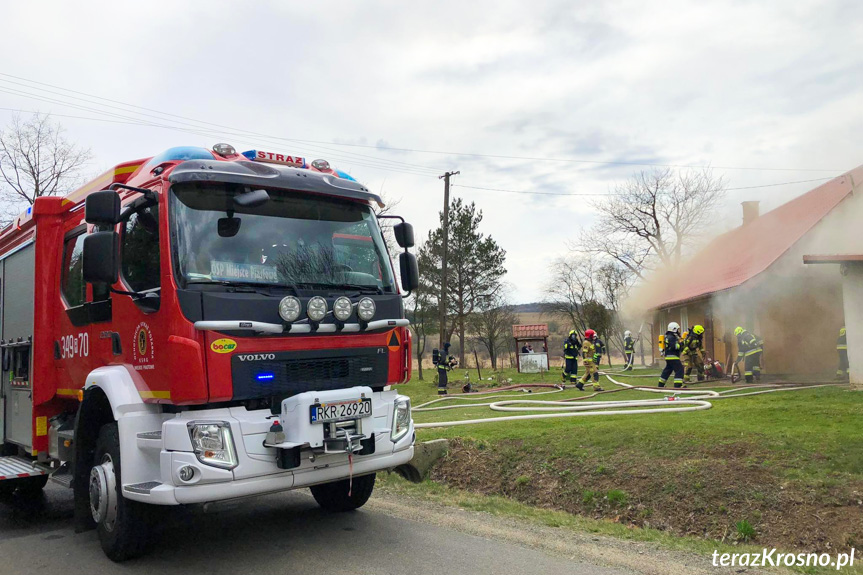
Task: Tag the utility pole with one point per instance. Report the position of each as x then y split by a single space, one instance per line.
445 179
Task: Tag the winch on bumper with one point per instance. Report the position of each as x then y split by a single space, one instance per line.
216 454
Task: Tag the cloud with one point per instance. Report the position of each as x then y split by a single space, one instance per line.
767 84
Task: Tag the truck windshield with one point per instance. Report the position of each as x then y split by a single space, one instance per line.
294 239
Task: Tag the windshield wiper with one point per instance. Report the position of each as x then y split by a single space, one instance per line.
255 286
363 289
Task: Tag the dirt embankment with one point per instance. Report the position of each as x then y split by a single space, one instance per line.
707 494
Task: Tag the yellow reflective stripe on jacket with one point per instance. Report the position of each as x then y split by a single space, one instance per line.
753 351
841 347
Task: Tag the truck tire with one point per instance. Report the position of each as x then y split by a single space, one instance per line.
334 496
122 524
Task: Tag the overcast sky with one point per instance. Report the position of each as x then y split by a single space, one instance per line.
768 84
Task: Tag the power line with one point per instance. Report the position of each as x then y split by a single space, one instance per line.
529 192
781 184
197 124
414 150
532 193
209 133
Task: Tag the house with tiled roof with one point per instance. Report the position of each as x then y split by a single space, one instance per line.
754 276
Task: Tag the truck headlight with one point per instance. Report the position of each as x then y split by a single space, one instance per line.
289 308
317 308
366 309
342 308
213 443
401 418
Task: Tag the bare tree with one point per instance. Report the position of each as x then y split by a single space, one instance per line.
653 218
615 280
37 160
590 292
572 283
492 326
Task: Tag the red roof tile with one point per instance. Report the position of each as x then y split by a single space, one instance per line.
538 331
741 254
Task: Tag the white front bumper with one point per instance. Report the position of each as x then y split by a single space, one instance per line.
256 472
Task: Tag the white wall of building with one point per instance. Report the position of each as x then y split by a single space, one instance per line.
852 291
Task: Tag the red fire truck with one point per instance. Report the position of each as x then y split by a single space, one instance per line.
198 326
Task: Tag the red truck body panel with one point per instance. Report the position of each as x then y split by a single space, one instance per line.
176 363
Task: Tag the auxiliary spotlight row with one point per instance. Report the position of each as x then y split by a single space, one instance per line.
290 308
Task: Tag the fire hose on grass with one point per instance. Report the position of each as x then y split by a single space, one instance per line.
700 399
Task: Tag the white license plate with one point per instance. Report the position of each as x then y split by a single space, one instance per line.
340 410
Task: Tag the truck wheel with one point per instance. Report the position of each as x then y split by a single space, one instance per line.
122 524
334 496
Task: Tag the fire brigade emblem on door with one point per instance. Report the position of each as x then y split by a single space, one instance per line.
142 350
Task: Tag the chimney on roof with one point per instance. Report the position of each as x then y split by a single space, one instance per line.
750 212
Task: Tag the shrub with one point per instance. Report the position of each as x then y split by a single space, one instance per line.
617 497
745 530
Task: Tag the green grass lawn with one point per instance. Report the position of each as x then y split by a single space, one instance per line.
820 430
789 464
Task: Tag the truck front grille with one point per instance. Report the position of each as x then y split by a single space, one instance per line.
290 372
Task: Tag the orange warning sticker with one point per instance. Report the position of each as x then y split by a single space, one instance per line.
394 343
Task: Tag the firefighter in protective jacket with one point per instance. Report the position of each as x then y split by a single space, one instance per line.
749 348
597 357
671 351
570 358
589 358
692 354
628 350
444 362
842 348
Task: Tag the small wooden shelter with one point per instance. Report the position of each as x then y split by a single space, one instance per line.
533 333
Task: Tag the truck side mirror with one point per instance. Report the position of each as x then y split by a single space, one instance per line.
100 257
404 233
102 208
409 270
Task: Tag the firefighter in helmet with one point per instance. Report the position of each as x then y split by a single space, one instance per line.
671 351
692 354
444 362
597 357
589 359
749 348
628 350
570 360
842 373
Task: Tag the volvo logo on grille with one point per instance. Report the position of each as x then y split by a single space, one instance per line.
257 357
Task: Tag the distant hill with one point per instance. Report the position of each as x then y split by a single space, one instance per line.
535 307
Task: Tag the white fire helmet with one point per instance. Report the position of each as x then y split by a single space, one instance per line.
674 327
627 333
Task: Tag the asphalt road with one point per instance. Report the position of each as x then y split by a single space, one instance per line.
271 535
